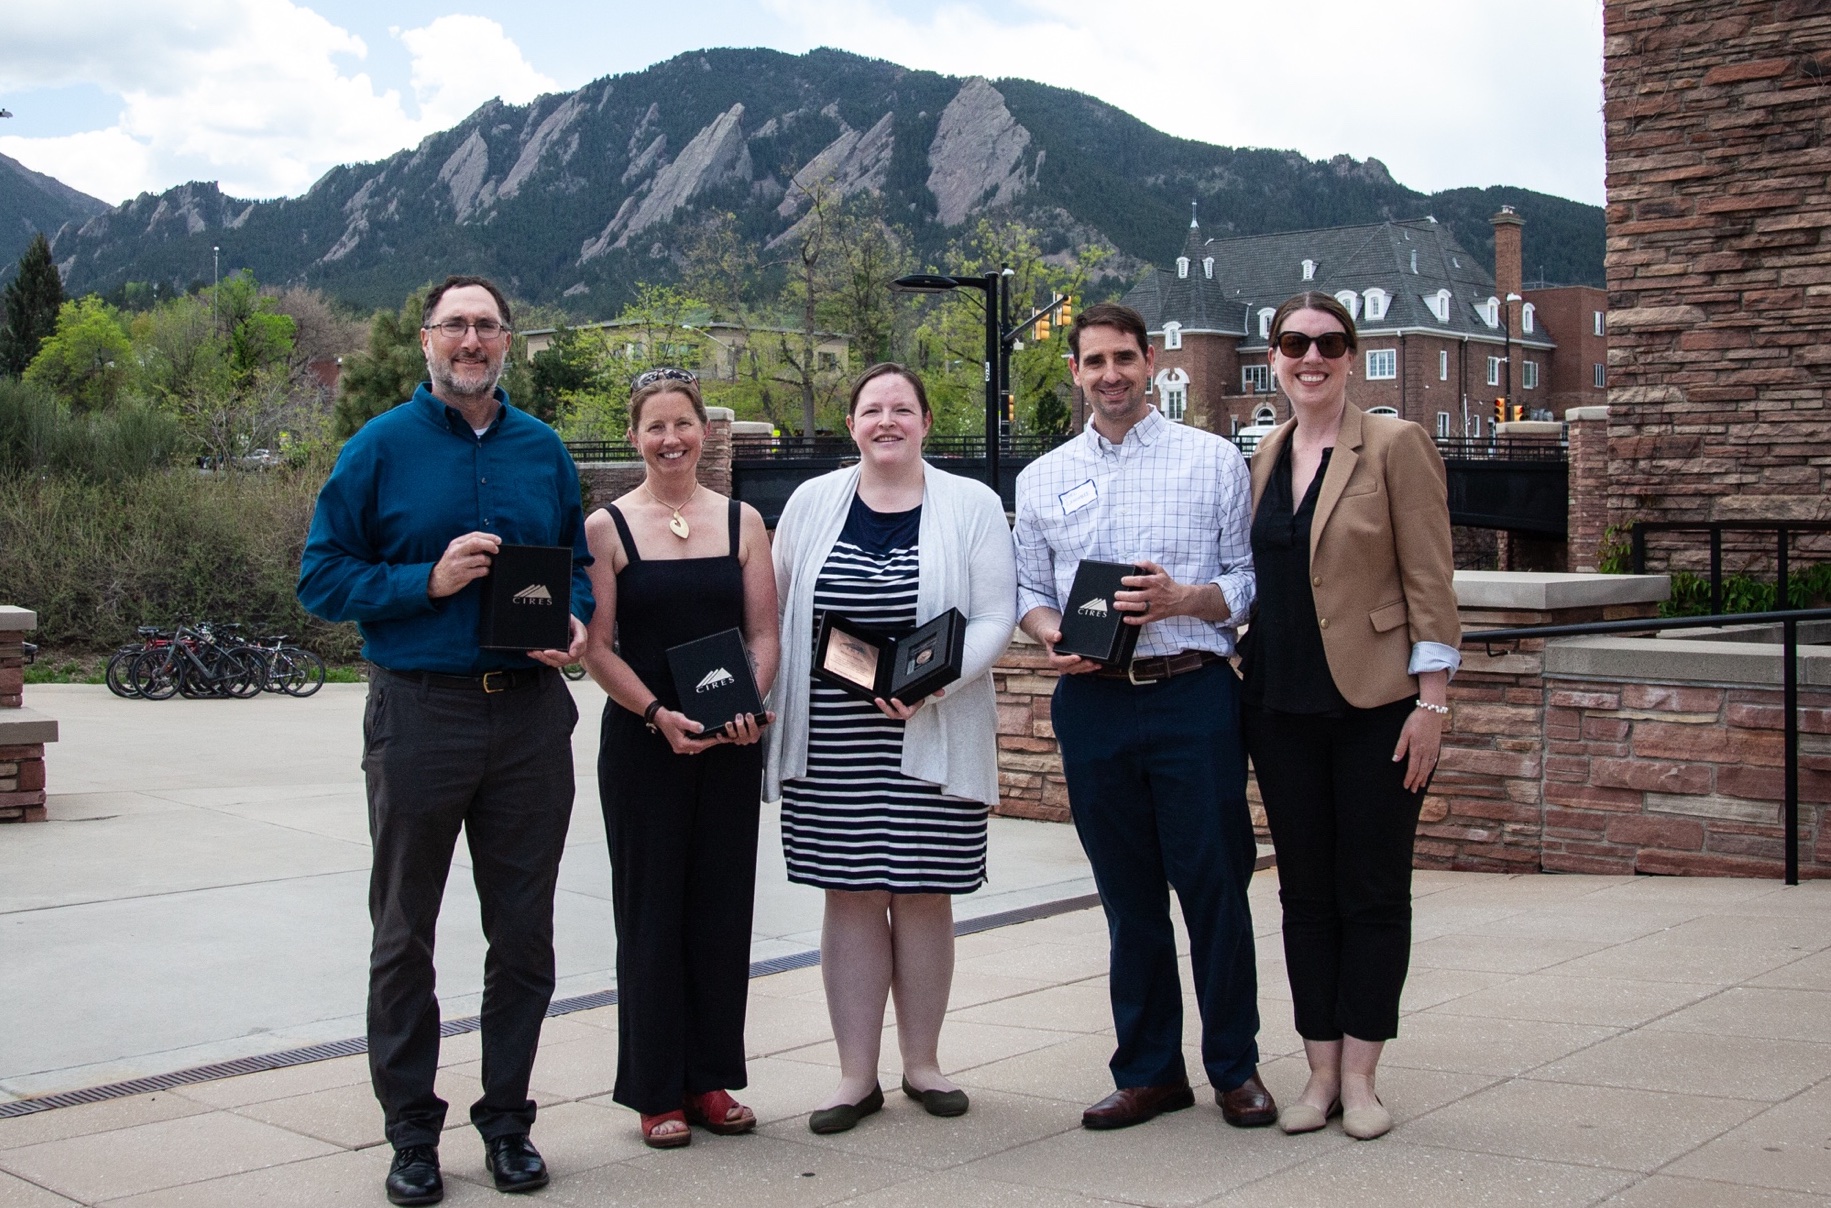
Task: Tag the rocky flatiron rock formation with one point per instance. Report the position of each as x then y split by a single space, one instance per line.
578 196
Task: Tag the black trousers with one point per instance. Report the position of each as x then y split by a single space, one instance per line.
499 767
1157 785
1342 823
682 831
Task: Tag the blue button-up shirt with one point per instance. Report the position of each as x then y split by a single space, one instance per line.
404 486
1167 493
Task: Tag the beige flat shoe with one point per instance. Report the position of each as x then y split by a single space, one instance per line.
1300 1117
1366 1123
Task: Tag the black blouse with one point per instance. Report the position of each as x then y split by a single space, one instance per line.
1283 662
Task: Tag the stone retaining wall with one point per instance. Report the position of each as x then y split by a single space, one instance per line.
23 733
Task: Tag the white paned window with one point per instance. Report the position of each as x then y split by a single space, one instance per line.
1529 375
1392 411
1601 376
1528 318
1265 322
1172 336
1443 425
1256 379
1208 267
1382 364
1265 415
1376 301
1352 301
1493 371
1598 315
1175 401
1182 266
1443 365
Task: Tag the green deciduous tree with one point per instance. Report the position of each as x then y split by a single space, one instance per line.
33 298
87 358
385 373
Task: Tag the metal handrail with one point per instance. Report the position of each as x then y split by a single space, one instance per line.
1788 620
1637 539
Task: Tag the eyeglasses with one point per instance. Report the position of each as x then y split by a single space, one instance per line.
1330 344
454 329
664 375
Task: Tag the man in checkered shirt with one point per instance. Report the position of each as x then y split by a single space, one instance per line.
1153 754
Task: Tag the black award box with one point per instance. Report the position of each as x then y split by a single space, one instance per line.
713 679
527 598
904 667
1092 626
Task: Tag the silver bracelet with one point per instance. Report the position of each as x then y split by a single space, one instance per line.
1439 710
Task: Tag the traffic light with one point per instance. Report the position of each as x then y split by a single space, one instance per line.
1518 412
1042 328
1066 313
1500 410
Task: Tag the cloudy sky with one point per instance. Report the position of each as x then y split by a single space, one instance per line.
265 95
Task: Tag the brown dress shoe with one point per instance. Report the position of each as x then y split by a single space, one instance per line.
1248 1105
1135 1104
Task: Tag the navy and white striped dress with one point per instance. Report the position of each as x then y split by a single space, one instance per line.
855 821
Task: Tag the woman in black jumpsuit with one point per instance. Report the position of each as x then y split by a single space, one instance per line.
676 562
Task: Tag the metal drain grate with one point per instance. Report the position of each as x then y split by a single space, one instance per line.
357 1045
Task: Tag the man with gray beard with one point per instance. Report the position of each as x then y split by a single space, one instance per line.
455 737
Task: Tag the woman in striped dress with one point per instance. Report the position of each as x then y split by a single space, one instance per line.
884 804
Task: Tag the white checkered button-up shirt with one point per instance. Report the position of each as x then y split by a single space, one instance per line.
1169 494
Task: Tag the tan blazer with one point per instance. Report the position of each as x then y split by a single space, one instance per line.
1381 569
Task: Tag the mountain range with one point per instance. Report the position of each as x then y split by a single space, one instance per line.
31 202
574 198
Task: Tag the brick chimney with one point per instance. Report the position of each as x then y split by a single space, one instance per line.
1508 227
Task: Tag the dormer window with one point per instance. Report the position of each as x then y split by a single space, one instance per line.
1526 319
1352 301
1439 304
1309 270
1265 322
1490 311
1376 301
1182 266
1172 336
1208 267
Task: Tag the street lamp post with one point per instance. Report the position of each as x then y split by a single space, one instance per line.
1000 338
1506 359
216 284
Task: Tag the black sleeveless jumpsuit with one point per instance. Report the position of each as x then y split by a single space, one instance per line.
682 831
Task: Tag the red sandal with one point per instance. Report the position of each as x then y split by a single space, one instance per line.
711 1110
666 1140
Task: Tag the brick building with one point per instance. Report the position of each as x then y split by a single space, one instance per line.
1439 341
1719 271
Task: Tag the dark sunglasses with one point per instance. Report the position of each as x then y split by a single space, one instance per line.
664 375
1330 344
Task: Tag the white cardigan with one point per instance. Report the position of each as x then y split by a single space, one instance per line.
966 563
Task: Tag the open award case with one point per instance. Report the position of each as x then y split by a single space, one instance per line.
870 663
713 678
527 598
1092 626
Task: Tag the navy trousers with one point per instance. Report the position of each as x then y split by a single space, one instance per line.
1157 784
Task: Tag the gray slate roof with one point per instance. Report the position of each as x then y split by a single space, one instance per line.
1258 271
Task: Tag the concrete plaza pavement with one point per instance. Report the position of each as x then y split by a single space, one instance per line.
200 891
1566 1040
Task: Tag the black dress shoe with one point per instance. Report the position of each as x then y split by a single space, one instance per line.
1135 1104
514 1163
1248 1105
414 1176
846 1116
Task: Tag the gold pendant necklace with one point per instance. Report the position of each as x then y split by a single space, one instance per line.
677 524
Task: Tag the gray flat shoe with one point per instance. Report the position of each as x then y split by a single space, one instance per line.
938 1103
846 1116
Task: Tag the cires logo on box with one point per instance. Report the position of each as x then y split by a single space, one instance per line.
533 593
715 679
1095 607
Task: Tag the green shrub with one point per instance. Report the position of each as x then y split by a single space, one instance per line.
97 557
1807 587
38 434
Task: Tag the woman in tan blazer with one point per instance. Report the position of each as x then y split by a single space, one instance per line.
1347 664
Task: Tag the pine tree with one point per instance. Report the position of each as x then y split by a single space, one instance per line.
32 301
386 373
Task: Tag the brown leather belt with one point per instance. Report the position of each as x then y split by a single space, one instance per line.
1151 671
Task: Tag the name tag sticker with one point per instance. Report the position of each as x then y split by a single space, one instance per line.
1073 501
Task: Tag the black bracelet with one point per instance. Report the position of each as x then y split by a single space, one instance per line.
648 715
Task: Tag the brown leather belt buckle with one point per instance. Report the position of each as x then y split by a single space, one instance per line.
508 682
1131 673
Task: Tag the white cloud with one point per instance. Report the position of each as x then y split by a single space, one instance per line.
1444 92
257 94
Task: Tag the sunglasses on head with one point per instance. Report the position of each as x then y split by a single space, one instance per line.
1330 344
664 375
